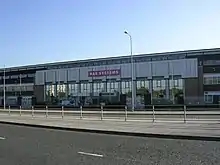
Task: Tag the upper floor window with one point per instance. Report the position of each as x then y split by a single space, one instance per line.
211 80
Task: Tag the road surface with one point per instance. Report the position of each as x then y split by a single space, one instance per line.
33 146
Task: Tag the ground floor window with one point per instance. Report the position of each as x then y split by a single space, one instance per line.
61 91
73 89
112 86
208 98
143 87
126 87
159 88
50 92
85 89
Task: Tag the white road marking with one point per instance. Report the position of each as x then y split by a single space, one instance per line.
90 154
2 138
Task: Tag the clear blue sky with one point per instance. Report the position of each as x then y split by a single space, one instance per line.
39 31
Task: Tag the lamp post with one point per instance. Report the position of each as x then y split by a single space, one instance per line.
4 88
20 84
132 72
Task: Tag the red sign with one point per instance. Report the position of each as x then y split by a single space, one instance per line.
112 72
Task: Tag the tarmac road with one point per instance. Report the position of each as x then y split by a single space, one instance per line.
33 146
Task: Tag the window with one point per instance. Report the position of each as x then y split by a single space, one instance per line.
215 80
125 87
159 88
208 98
176 83
218 80
175 87
211 80
112 87
61 90
85 89
158 83
73 89
142 87
205 80
98 87
50 91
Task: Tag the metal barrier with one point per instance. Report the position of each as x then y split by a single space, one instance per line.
154 114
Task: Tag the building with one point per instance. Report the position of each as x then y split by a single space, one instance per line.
194 75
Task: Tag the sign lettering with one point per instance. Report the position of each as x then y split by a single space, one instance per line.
99 73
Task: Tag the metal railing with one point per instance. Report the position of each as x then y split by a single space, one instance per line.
182 113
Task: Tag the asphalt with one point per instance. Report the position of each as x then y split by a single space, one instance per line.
20 145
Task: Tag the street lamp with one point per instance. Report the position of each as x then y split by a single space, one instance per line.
4 89
132 72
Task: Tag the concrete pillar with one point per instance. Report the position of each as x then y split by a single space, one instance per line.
104 85
135 92
119 85
151 86
167 86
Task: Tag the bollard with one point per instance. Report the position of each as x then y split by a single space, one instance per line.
81 112
184 113
32 111
153 113
101 112
9 110
46 111
62 112
126 113
20 110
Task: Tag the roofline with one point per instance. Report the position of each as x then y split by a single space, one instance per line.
187 52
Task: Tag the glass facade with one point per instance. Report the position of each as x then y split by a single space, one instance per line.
124 87
161 88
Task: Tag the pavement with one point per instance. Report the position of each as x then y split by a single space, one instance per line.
190 130
120 115
20 145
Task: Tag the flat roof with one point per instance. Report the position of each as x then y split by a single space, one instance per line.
187 53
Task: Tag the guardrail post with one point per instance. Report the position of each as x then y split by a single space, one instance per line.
184 113
81 112
32 111
62 112
46 111
101 112
153 113
9 110
20 110
126 113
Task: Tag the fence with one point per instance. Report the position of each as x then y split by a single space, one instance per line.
181 113
173 107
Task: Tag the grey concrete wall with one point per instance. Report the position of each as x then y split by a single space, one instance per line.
200 81
39 93
191 87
